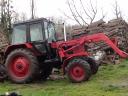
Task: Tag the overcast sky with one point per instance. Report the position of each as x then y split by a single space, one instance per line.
49 8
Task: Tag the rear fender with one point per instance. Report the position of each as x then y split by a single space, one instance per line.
13 47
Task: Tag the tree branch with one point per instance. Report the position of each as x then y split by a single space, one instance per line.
73 14
78 13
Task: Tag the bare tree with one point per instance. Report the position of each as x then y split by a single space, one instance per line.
15 17
73 13
84 15
117 11
103 14
19 17
6 14
23 17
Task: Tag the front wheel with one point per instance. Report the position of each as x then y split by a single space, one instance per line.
78 70
94 66
21 66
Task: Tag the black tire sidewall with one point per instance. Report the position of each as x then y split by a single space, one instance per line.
31 70
84 65
94 66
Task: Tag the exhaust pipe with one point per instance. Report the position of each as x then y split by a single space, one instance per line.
65 35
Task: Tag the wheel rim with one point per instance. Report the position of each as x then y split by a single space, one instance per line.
19 66
77 73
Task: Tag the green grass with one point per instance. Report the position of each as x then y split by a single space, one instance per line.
111 80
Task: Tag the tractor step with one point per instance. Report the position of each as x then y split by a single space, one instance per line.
51 60
54 62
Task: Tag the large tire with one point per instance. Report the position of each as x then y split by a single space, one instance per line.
78 70
94 66
21 66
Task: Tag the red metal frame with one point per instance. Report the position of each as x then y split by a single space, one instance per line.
73 48
77 45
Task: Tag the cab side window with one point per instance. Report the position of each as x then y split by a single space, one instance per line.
19 34
36 32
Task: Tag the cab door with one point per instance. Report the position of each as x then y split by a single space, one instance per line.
49 30
37 37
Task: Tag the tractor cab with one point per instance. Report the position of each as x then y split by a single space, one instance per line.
39 32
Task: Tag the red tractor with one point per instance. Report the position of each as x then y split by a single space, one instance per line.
34 52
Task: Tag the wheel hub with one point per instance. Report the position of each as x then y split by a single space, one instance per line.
20 66
77 72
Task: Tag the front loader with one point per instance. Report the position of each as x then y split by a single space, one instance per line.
35 51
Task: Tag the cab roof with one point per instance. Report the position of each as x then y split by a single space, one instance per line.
31 21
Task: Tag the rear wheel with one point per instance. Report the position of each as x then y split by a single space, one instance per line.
21 66
78 70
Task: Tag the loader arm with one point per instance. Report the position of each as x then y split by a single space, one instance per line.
76 47
102 37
